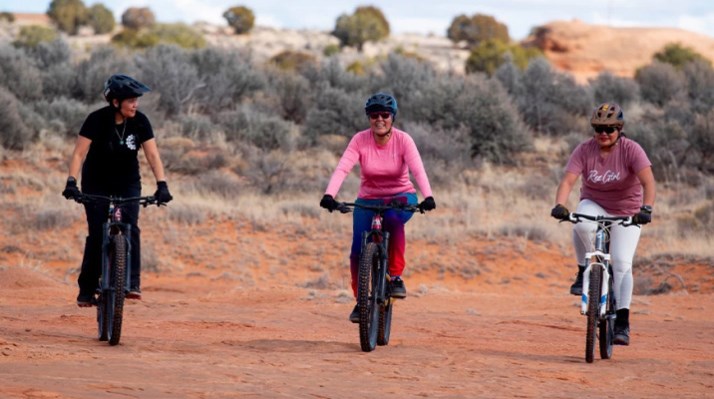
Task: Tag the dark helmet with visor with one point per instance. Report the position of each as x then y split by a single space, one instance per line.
381 102
121 87
608 114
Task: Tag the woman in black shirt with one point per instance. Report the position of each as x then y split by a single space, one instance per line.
107 152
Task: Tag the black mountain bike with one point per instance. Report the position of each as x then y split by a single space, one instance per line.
115 278
598 302
374 299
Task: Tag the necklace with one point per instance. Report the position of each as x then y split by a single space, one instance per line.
123 130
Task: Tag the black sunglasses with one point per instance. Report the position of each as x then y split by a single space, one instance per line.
375 115
605 129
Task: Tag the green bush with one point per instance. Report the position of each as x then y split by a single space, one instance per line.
365 24
490 54
100 19
678 55
289 60
68 15
477 28
32 35
138 17
330 50
240 18
178 34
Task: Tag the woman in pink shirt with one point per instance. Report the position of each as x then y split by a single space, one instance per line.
617 181
386 155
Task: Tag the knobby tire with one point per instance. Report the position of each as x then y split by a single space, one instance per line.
118 275
366 297
385 322
594 291
607 325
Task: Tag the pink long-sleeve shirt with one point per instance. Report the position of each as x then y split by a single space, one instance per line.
384 168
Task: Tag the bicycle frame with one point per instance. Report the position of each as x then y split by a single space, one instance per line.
602 259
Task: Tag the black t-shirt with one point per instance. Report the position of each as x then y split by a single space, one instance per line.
112 163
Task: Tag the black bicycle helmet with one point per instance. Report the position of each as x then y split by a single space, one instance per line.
121 87
608 114
381 102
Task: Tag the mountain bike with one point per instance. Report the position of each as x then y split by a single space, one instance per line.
374 300
115 278
598 301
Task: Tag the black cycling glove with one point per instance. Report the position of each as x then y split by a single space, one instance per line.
70 189
427 205
644 216
328 202
560 212
162 193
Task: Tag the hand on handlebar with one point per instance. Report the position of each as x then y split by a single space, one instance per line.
71 191
162 193
642 217
328 202
427 205
560 212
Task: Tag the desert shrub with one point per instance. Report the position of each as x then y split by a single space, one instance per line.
138 17
14 133
367 23
494 127
608 87
510 75
266 132
48 54
228 76
659 83
68 15
178 34
293 96
444 152
699 79
289 60
197 126
169 71
701 139
477 28
552 102
65 115
330 72
402 76
91 73
19 74
7 16
32 35
134 38
335 111
330 50
100 18
221 183
490 54
678 55
665 142
240 18
435 103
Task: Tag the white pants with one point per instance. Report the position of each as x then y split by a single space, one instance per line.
623 243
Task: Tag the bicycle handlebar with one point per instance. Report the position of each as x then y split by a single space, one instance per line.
93 198
346 207
623 220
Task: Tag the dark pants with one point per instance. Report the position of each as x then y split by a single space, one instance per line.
96 217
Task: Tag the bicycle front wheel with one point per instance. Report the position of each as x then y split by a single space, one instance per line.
367 297
118 254
607 325
385 322
593 314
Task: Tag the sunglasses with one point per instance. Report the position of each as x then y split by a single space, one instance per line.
375 115
605 129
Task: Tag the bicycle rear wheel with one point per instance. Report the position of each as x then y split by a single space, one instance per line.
607 325
593 314
367 297
385 322
118 249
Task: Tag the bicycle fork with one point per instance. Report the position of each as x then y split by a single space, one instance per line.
602 306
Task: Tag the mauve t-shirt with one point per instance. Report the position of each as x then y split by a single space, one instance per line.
611 182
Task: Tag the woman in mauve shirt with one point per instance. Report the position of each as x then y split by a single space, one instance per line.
386 155
617 181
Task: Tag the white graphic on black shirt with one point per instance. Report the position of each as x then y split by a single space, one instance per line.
131 142
604 178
